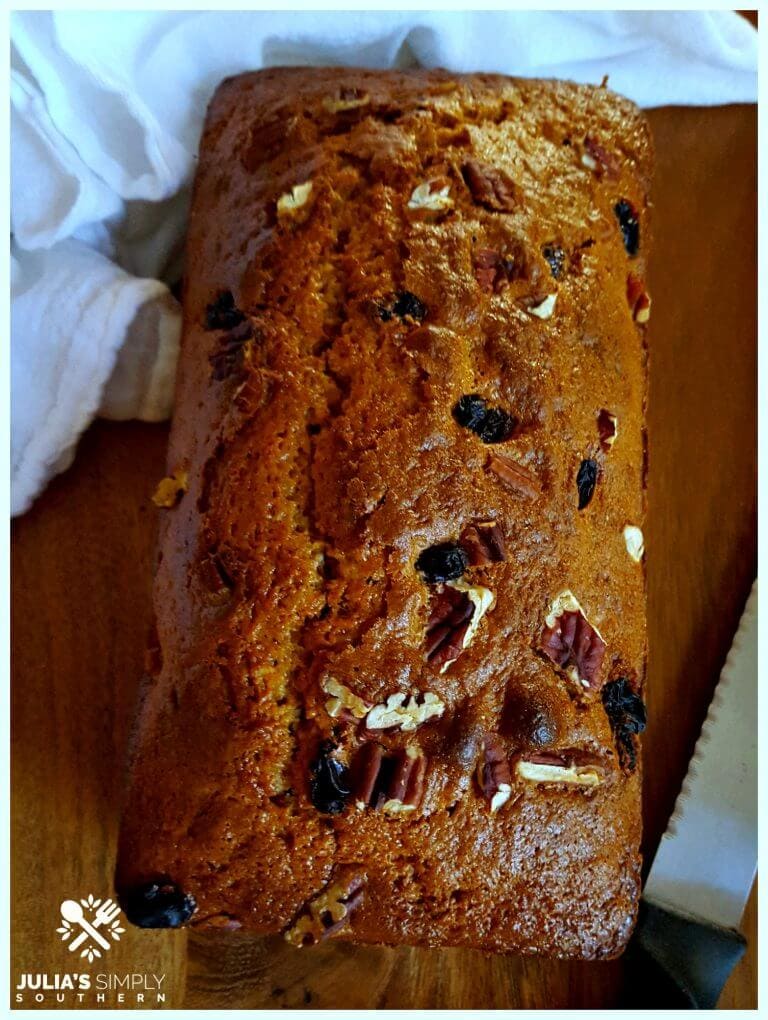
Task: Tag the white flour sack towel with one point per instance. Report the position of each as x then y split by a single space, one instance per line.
106 114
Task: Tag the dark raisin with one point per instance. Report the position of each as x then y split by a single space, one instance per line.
624 706
491 424
626 214
496 426
586 479
470 411
408 306
555 256
329 786
443 562
490 187
405 306
222 313
627 715
159 904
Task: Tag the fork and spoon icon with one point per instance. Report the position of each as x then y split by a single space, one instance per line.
72 911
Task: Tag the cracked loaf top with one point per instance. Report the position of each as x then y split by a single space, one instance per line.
400 597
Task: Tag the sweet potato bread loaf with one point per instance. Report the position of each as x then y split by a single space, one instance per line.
400 596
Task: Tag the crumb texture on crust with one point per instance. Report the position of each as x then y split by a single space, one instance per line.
411 334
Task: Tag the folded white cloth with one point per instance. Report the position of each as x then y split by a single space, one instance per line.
106 113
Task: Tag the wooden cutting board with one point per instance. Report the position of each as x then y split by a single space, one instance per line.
81 589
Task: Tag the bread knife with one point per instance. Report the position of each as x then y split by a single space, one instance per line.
687 942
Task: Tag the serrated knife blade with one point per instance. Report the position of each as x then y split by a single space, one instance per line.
707 858
686 943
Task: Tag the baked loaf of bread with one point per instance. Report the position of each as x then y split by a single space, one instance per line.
400 597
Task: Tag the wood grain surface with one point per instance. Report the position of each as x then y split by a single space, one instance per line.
81 569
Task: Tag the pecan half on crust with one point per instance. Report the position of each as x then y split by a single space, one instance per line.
572 642
494 271
328 912
566 767
514 476
455 616
431 199
448 622
493 774
393 783
489 187
599 160
397 713
214 575
638 299
483 542
607 429
342 703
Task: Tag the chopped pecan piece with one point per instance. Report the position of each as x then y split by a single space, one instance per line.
392 783
579 256
638 299
342 700
514 476
607 429
483 542
453 621
558 768
229 357
494 271
397 713
448 622
348 99
572 642
493 775
365 769
489 186
406 785
599 160
170 490
431 198
214 575
328 912
295 199
633 539
543 309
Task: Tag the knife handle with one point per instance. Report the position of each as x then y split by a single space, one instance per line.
678 962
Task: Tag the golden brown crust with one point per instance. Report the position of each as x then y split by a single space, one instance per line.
316 423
